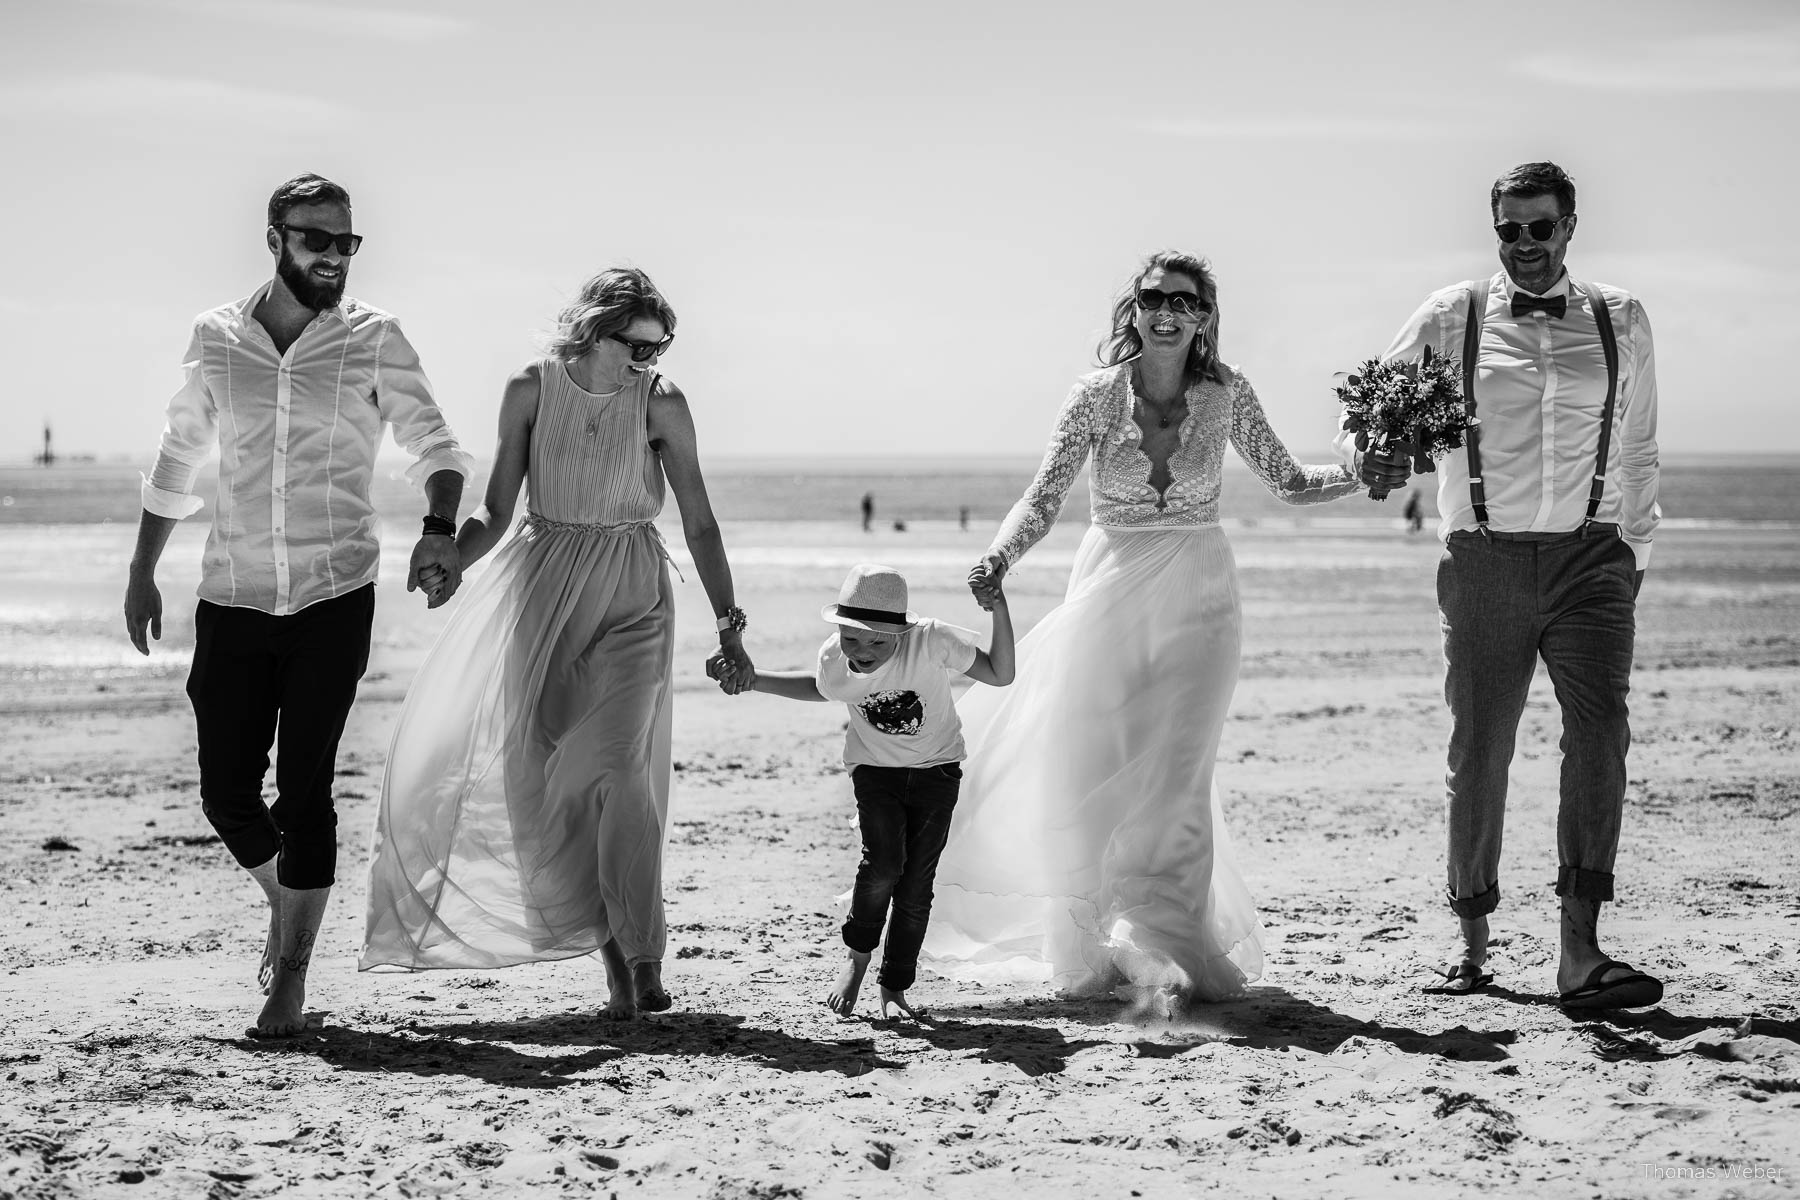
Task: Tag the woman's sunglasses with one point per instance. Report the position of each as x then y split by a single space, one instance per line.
1540 229
315 240
1182 304
642 351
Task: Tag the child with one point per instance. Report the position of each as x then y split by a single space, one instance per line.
904 749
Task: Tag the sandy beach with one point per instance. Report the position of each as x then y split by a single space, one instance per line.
130 940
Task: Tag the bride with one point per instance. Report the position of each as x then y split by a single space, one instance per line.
1089 846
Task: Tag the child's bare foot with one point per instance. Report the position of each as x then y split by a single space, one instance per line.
891 998
646 979
622 996
842 999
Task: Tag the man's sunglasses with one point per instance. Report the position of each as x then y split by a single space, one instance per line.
642 351
1540 230
315 240
1182 304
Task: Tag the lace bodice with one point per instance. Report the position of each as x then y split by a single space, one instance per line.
1096 422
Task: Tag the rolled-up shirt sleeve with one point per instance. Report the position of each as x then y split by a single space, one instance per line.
190 430
403 395
1639 512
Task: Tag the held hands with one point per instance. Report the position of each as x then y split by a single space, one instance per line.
436 569
984 581
1386 469
730 665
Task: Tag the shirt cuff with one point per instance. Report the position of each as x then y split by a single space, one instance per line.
445 458
1641 552
175 505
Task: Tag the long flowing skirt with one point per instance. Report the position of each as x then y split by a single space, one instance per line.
1088 847
527 784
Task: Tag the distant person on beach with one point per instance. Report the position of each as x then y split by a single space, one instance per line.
526 798
1090 847
962 518
1547 522
904 748
1415 512
868 511
294 384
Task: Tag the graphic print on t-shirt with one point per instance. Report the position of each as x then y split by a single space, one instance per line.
894 712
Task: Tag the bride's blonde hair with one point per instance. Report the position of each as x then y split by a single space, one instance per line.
606 304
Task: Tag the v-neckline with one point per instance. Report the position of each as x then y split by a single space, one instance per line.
1180 427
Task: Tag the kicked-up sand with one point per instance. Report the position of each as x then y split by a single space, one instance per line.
129 944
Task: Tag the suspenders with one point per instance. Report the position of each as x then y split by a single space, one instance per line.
1609 346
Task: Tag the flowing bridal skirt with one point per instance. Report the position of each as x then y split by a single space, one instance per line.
527 784
1088 846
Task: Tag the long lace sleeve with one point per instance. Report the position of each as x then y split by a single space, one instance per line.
1258 446
1037 510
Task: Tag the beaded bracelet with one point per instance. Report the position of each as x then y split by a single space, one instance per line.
734 619
439 526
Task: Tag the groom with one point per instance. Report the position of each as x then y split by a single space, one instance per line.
294 384
1547 522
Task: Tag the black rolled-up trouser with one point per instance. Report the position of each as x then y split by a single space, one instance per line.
255 674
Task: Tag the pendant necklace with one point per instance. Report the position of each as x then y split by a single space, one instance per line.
593 421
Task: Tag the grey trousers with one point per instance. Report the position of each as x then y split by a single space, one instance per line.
1505 601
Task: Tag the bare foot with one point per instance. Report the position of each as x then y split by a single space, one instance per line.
893 999
842 999
646 980
283 1016
265 973
622 997
299 912
265 877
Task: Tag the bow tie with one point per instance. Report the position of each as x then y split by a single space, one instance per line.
1552 306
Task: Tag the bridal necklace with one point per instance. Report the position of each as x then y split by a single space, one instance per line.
1165 412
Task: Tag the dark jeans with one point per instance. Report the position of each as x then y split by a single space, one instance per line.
1506 602
904 814
252 673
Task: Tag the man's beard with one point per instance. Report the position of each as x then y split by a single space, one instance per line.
308 291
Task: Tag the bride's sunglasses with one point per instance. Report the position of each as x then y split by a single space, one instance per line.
1182 304
642 351
1540 230
315 240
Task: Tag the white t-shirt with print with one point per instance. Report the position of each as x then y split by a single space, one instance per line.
901 714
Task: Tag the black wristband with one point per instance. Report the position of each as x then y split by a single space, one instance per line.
439 526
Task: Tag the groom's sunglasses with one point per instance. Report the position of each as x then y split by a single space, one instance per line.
1540 230
315 240
642 351
1182 304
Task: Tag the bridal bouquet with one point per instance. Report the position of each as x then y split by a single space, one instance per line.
1413 406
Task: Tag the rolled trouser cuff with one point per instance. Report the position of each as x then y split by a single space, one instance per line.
1584 884
1470 907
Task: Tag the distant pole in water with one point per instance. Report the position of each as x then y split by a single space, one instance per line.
48 457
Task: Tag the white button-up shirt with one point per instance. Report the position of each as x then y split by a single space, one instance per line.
1540 389
297 435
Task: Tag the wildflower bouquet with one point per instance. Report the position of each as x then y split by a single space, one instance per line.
1413 406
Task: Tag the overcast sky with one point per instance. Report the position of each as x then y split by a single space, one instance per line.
888 228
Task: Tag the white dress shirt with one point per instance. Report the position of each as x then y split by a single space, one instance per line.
1540 390
297 435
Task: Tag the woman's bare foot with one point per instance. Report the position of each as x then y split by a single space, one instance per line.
891 998
622 996
646 979
842 999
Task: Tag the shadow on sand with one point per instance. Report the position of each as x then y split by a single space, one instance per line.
550 1051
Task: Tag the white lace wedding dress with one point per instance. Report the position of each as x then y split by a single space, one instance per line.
1089 847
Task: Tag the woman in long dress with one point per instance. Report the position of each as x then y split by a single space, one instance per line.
527 785
1089 847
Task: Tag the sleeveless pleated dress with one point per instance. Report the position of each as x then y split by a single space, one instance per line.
526 793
